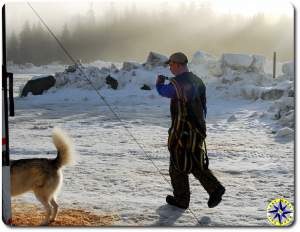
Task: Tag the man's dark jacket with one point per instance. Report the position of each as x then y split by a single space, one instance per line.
191 93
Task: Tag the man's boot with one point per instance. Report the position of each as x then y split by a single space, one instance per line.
172 201
216 197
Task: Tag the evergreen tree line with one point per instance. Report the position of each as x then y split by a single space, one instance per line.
131 34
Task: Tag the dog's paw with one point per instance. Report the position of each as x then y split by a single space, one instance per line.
52 220
45 223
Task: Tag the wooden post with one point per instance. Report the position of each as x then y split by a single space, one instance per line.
274 65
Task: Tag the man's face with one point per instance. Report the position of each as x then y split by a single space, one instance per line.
174 68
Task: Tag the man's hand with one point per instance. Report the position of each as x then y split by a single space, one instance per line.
161 79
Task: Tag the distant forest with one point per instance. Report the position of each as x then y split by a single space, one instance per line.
132 34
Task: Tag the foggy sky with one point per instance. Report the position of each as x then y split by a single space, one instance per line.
123 30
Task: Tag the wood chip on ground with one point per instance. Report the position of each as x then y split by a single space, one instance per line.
25 214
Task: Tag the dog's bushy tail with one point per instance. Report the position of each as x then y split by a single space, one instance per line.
64 146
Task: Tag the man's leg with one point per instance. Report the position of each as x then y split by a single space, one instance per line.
211 184
180 184
207 179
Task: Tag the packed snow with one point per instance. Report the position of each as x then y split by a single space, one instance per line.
250 139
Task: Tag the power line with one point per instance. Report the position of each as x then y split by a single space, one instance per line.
104 100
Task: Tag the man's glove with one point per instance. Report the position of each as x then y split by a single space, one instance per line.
161 79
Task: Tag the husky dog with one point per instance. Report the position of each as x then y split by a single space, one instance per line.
43 176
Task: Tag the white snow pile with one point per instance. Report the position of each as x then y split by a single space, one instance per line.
288 71
155 59
139 75
244 76
206 65
230 76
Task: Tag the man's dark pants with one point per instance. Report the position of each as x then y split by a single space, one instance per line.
180 182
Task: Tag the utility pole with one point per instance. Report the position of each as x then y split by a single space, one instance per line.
274 65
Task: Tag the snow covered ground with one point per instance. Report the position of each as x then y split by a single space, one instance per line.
250 140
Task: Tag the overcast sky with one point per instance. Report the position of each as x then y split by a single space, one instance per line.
57 13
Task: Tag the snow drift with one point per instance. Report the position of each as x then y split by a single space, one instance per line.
232 76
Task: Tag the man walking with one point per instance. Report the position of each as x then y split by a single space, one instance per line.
186 142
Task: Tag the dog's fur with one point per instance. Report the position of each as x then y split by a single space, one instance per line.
43 176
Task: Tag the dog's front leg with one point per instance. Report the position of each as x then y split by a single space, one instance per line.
55 209
48 214
44 200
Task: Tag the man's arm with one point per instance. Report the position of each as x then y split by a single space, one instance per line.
165 90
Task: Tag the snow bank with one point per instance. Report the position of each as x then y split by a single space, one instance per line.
288 68
287 71
155 59
283 110
254 63
232 76
258 63
244 62
243 76
128 66
237 61
206 65
130 73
